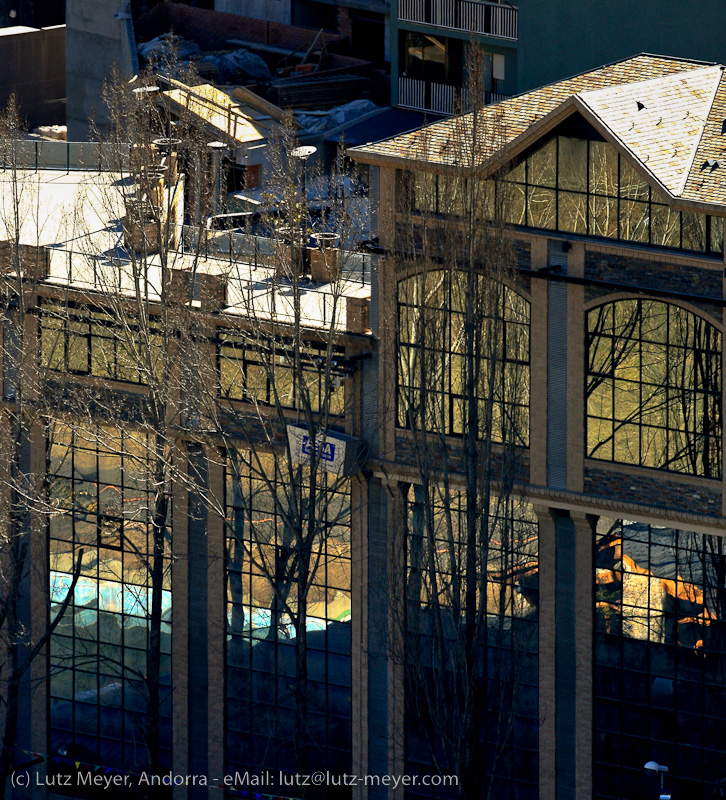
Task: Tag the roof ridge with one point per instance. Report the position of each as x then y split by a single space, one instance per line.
654 56
677 58
669 76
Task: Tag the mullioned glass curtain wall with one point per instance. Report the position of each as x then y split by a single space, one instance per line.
439 687
660 660
101 496
575 184
266 692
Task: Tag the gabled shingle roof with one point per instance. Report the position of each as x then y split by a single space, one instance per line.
667 114
660 120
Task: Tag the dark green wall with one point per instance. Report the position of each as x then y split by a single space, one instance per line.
563 38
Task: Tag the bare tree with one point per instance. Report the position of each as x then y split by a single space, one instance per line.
464 622
126 314
24 506
280 409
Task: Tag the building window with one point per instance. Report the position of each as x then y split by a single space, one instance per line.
264 557
261 373
435 59
101 498
432 359
88 341
577 185
438 697
445 195
660 660
653 387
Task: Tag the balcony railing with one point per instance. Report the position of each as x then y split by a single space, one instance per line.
472 16
439 98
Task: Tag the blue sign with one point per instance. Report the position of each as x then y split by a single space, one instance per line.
325 451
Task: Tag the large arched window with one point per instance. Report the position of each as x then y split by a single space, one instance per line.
432 356
654 387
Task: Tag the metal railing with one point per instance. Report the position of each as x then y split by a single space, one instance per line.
472 16
264 252
30 154
259 296
439 98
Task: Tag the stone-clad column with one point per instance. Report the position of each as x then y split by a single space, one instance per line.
378 664
575 369
547 580
180 637
385 565
565 654
37 685
359 630
216 627
583 652
198 622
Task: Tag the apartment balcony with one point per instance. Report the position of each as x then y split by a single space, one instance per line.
438 98
471 16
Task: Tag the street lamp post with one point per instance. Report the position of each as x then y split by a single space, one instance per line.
654 768
303 153
217 150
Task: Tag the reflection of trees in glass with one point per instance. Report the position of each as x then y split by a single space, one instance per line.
432 363
246 374
585 186
660 652
507 562
287 525
288 598
443 691
654 387
102 498
89 341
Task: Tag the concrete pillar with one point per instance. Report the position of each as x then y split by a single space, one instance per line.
575 369
547 581
217 626
180 637
565 654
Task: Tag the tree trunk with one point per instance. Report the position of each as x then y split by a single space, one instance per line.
153 711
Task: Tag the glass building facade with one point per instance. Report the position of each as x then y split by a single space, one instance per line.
501 691
101 498
660 660
83 340
575 183
432 360
583 185
564 648
271 556
263 372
